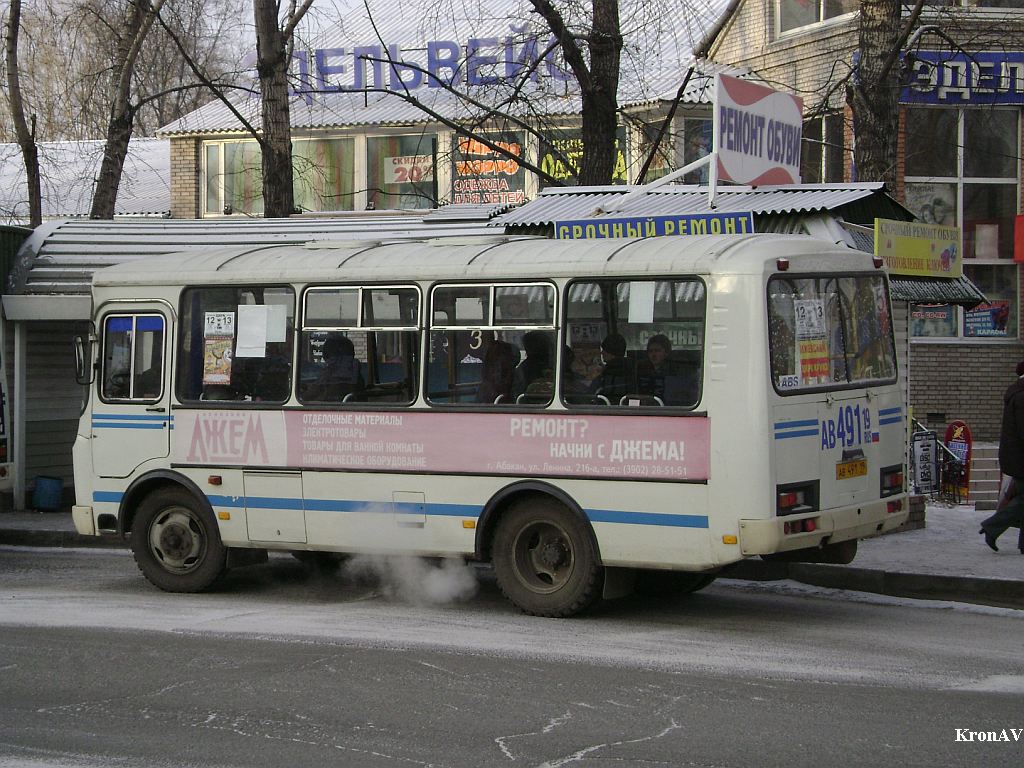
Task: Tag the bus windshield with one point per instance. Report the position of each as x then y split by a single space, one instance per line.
829 332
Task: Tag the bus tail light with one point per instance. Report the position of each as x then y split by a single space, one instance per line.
806 525
894 506
796 498
891 481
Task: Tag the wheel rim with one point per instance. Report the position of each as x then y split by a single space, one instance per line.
544 557
177 540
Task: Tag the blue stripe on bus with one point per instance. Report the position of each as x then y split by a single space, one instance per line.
890 415
118 425
131 421
434 510
647 518
132 416
787 429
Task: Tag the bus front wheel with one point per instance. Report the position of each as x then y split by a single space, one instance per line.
545 560
176 543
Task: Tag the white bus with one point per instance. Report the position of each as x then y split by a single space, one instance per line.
583 415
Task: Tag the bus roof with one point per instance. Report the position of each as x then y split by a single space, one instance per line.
484 257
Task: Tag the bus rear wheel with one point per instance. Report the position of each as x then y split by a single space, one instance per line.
545 560
176 543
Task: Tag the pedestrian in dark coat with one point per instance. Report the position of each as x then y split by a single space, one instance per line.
1011 463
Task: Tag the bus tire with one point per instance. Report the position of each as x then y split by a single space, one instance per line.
670 583
545 560
176 543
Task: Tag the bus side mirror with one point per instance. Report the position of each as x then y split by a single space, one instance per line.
84 369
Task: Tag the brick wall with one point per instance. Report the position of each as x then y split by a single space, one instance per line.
185 178
962 381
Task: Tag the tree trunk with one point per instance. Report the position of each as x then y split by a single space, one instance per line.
600 99
276 140
26 138
122 112
874 93
598 82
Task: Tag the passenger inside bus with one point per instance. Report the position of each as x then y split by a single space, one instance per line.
340 375
617 377
535 376
499 365
662 376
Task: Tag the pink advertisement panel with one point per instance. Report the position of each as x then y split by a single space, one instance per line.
635 447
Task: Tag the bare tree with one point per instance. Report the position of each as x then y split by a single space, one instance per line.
874 87
598 81
274 45
26 137
141 14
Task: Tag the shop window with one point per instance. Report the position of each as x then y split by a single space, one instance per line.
561 153
661 163
793 14
323 176
401 172
821 152
698 135
482 175
966 175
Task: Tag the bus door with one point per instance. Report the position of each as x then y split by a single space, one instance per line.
131 419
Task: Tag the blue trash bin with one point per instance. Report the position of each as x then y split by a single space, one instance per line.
46 496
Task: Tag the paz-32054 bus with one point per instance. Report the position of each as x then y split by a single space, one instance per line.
581 414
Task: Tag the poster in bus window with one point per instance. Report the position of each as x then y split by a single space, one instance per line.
812 342
989 318
218 339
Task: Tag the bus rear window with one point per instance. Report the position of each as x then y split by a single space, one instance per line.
829 332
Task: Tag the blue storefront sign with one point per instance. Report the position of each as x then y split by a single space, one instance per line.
986 77
655 226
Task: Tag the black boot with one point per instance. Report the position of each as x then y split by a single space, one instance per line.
989 539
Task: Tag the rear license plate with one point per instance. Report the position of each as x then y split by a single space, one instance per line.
848 469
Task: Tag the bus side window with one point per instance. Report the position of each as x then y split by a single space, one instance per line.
492 345
634 343
235 344
359 345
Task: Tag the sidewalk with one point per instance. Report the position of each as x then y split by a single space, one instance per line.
945 560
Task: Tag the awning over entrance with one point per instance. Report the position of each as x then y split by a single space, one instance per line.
936 290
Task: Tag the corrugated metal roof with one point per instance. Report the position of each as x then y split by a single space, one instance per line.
936 290
60 257
567 203
658 45
69 170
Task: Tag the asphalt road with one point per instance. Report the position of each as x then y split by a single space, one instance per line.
284 667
